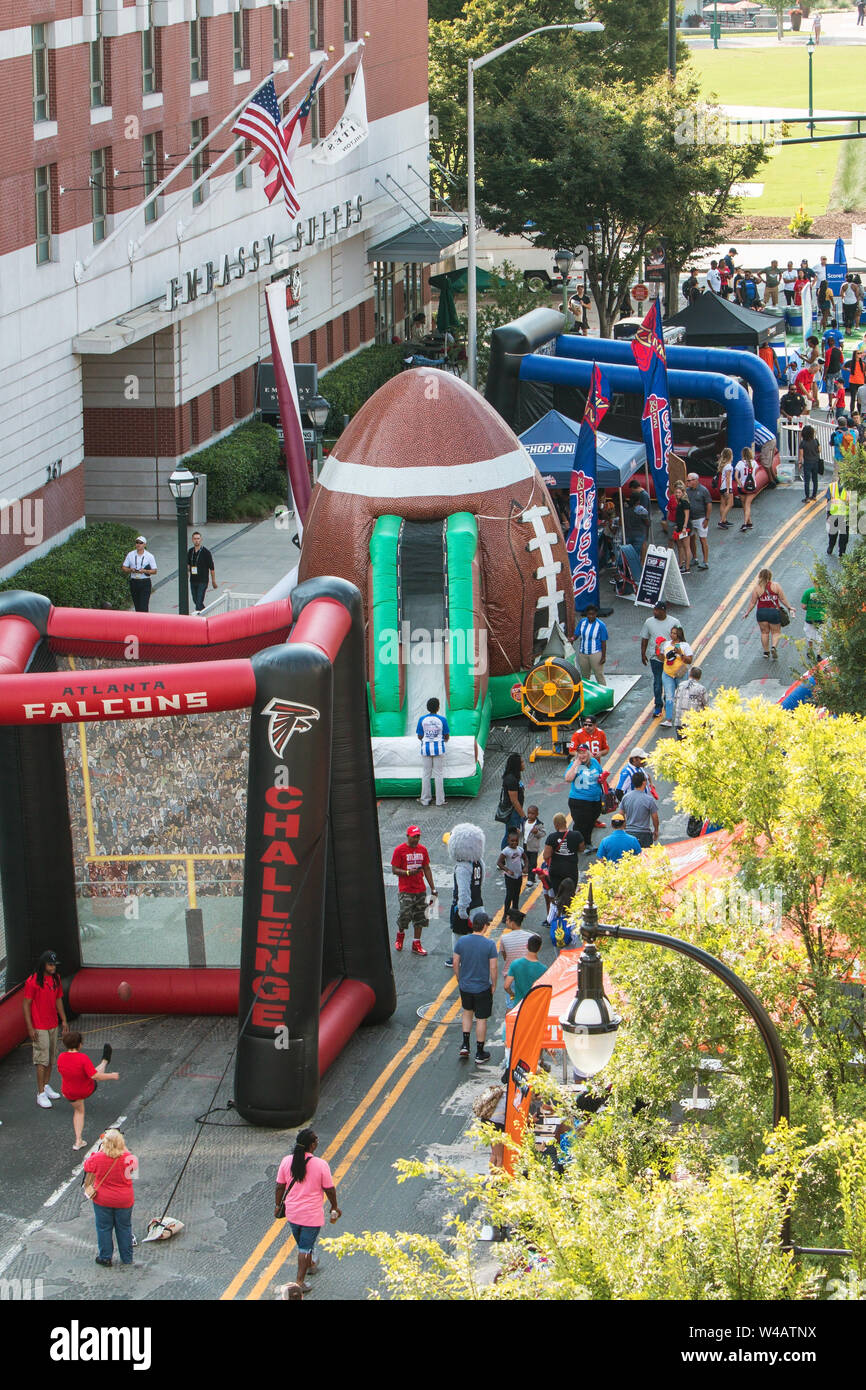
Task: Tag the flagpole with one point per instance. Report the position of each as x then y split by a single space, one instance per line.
250 158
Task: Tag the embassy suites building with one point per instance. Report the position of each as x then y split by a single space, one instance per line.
136 240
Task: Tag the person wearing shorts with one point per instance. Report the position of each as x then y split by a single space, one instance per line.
476 968
44 1014
303 1183
700 506
768 598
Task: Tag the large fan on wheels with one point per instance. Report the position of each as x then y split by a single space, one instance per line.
552 694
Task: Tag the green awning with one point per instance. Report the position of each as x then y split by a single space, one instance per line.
424 243
459 280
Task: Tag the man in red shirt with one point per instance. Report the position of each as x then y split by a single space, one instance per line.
804 382
43 1003
411 863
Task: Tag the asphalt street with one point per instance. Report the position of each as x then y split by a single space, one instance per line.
399 1089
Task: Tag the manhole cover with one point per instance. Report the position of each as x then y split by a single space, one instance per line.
435 1012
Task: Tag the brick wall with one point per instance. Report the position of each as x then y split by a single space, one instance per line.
61 503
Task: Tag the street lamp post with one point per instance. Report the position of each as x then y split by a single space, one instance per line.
318 410
182 484
587 27
810 49
715 27
564 261
590 1025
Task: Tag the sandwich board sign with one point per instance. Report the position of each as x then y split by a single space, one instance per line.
660 578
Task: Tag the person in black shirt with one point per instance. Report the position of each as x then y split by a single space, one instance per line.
560 852
792 404
201 567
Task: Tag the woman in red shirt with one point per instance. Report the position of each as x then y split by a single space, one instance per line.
112 1166
79 1077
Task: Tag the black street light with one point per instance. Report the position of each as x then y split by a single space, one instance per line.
317 411
589 1027
564 261
182 484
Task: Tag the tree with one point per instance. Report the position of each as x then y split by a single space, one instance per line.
633 48
503 303
608 169
791 786
674 1228
841 684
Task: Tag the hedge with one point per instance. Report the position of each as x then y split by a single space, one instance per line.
83 572
247 460
350 384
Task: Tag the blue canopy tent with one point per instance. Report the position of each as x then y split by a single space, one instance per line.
551 443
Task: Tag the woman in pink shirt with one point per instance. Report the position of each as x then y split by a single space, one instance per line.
303 1182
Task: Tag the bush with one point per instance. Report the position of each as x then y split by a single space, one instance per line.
247 460
801 223
352 383
83 572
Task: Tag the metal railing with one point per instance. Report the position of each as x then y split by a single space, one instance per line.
229 601
789 432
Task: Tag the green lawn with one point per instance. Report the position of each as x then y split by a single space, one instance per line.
796 174
780 76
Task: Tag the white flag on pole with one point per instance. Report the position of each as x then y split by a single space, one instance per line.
351 129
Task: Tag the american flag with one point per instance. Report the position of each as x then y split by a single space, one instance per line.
260 122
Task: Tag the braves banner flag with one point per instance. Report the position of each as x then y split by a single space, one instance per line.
287 395
648 346
582 543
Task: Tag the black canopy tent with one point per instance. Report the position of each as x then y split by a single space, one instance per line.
711 321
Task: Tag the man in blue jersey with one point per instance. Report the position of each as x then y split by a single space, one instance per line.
433 734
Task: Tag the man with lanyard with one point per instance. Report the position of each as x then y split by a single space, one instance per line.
592 645
837 517
433 734
411 863
140 565
199 563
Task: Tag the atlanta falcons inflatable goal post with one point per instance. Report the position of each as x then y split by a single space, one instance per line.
314 949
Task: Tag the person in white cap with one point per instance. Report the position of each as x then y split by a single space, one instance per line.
140 565
636 763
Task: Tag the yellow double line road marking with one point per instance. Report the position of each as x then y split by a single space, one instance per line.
721 621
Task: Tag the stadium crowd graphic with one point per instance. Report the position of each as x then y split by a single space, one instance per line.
157 788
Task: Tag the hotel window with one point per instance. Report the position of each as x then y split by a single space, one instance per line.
315 26
149 43
240 40
41 101
98 95
281 32
150 170
242 177
43 214
100 168
199 161
196 66
383 276
348 20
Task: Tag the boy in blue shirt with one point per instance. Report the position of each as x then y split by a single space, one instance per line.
618 842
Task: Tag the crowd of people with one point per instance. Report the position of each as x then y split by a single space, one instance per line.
760 289
155 794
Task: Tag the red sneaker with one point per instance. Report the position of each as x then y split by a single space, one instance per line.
601 825
398 944
417 948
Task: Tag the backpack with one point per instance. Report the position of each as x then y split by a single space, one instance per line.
749 484
504 809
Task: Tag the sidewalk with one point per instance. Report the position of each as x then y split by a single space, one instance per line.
249 557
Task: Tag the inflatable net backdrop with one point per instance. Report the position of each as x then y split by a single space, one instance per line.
157 809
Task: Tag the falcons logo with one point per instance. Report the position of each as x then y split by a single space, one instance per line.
287 718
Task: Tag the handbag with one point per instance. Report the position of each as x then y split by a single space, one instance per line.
486 1104
91 1186
504 809
784 617
820 468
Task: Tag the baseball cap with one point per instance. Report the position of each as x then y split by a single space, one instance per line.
617 818
660 603
141 538
638 753
413 830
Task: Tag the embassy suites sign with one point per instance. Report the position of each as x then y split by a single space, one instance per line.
205 279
